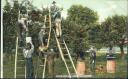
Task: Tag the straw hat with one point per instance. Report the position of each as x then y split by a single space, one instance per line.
53 2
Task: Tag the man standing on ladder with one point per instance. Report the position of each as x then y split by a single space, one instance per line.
42 37
28 51
22 23
56 18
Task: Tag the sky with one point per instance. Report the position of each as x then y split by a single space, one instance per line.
104 8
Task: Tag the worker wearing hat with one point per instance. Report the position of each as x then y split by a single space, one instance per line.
53 2
56 18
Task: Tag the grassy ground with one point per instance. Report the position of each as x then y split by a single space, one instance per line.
121 67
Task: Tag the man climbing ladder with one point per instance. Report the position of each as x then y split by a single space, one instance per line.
27 47
22 23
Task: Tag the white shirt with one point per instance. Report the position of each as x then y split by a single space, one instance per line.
28 53
111 51
22 21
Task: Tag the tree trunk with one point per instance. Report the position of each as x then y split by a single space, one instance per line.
122 51
51 65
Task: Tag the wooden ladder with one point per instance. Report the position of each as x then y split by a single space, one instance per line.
18 60
41 63
64 51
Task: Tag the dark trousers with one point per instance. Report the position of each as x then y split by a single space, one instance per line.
29 68
22 39
92 66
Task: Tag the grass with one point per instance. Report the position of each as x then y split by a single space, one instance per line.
60 69
121 68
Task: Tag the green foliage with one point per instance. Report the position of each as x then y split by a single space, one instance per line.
82 15
76 26
10 27
94 35
80 29
10 17
113 29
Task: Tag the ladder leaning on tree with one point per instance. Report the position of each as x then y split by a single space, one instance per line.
62 46
42 61
18 60
47 19
19 56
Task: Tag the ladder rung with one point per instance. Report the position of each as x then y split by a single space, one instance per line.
62 43
21 75
43 58
47 18
20 54
65 54
45 27
70 67
47 21
63 48
73 73
52 22
41 65
20 67
20 60
20 47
